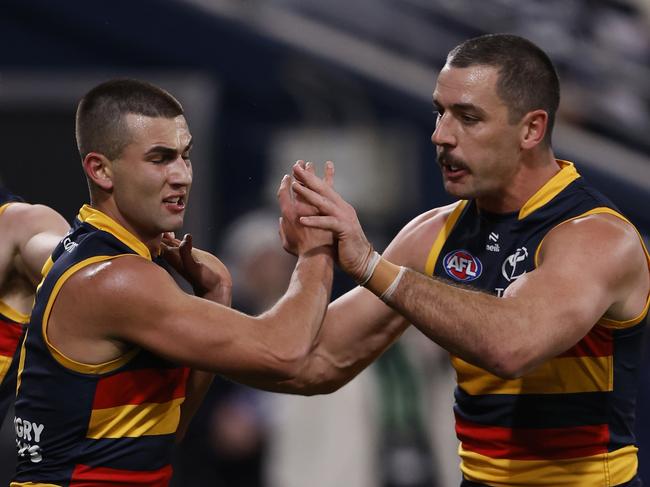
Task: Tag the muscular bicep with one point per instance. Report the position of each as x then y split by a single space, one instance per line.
132 301
587 269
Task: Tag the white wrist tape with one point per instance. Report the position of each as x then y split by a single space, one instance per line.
393 285
370 269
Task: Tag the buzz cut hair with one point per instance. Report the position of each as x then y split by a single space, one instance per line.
100 124
527 78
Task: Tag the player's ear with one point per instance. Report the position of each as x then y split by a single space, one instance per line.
533 128
99 170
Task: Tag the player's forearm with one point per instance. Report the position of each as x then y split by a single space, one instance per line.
356 330
484 330
333 365
291 326
351 339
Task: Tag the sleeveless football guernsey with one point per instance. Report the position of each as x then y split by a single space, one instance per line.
569 422
111 424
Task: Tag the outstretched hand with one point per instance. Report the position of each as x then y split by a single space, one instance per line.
207 275
332 213
296 238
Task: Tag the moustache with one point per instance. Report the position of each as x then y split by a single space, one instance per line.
446 159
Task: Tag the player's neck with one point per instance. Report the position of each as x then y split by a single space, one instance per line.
107 206
531 176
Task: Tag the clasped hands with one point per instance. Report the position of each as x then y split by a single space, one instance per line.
314 214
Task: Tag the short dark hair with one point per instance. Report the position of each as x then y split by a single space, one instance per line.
100 124
527 78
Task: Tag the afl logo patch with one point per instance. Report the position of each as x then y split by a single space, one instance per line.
462 266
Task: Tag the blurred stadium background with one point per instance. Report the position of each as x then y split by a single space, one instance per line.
266 82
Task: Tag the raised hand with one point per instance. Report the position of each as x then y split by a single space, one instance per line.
296 238
333 214
207 275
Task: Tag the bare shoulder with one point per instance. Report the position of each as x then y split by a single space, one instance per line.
596 235
19 210
109 297
412 244
26 217
607 253
120 279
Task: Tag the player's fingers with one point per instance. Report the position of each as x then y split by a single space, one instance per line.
284 193
166 249
329 173
314 199
283 236
323 222
171 255
185 251
284 183
304 176
314 183
170 239
302 206
305 209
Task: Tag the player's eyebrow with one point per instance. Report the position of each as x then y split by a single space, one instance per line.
161 150
168 151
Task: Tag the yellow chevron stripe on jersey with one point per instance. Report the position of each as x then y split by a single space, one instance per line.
4 207
560 375
616 467
135 420
12 314
442 237
46 268
102 221
21 361
551 189
32 484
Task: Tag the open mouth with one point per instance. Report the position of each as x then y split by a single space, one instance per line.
175 203
453 171
451 166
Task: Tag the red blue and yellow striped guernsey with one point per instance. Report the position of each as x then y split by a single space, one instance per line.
82 425
570 421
